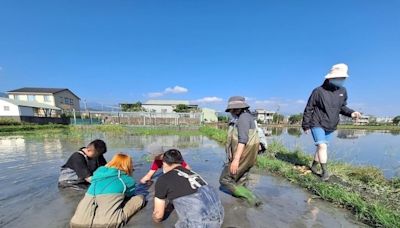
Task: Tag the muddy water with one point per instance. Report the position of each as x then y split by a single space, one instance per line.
29 196
358 147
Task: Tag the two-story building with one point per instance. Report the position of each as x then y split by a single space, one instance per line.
263 116
62 98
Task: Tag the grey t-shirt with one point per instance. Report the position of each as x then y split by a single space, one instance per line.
244 124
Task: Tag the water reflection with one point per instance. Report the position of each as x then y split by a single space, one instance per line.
359 147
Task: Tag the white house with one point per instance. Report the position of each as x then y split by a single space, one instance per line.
264 116
165 106
209 115
62 98
16 109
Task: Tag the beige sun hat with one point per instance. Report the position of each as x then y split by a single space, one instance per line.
338 71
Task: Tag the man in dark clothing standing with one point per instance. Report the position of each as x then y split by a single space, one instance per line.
322 113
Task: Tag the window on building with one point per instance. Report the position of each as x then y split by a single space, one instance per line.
19 97
31 98
66 100
61 100
6 108
47 98
71 101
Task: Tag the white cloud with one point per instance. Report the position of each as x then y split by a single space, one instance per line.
209 100
169 90
176 89
301 101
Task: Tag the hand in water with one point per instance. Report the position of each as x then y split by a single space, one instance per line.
234 167
144 180
356 115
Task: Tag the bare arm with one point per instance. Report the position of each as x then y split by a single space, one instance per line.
148 176
235 163
159 210
89 179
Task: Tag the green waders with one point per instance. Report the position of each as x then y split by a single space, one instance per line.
236 184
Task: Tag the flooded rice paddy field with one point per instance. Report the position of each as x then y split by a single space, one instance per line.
29 168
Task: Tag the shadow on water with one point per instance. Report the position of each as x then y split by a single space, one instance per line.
30 198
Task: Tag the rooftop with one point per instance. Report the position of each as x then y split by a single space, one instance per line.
39 90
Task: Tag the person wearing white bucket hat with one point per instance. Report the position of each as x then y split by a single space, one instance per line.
322 113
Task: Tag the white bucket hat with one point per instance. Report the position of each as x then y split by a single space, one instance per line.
338 71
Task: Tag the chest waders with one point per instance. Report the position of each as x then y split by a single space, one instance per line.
202 209
236 184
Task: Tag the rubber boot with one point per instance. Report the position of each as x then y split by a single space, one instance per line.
245 193
325 174
314 168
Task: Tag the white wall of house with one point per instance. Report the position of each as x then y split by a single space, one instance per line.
66 100
8 109
159 108
209 115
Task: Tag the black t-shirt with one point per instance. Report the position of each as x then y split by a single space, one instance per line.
171 185
84 168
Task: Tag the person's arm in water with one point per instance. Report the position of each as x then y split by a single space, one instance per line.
148 176
159 210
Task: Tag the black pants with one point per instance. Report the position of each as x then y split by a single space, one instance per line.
230 182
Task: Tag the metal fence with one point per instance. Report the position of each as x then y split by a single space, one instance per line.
135 118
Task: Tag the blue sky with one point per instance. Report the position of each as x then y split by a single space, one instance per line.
272 52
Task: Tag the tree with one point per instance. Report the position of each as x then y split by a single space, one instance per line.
223 119
278 118
136 107
296 119
182 108
396 120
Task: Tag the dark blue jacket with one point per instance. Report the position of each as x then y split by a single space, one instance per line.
324 106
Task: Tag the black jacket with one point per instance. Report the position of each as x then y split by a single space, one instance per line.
324 106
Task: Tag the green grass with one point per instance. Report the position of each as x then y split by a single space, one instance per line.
31 128
361 189
371 127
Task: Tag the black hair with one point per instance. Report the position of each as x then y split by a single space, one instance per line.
172 156
99 146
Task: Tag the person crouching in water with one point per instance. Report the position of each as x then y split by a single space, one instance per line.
196 203
110 200
241 148
77 171
157 164
321 115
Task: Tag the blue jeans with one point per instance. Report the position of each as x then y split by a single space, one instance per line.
321 136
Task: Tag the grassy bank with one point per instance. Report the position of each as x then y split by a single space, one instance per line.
363 190
371 127
133 130
26 128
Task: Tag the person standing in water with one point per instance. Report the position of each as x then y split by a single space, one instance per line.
322 114
241 149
